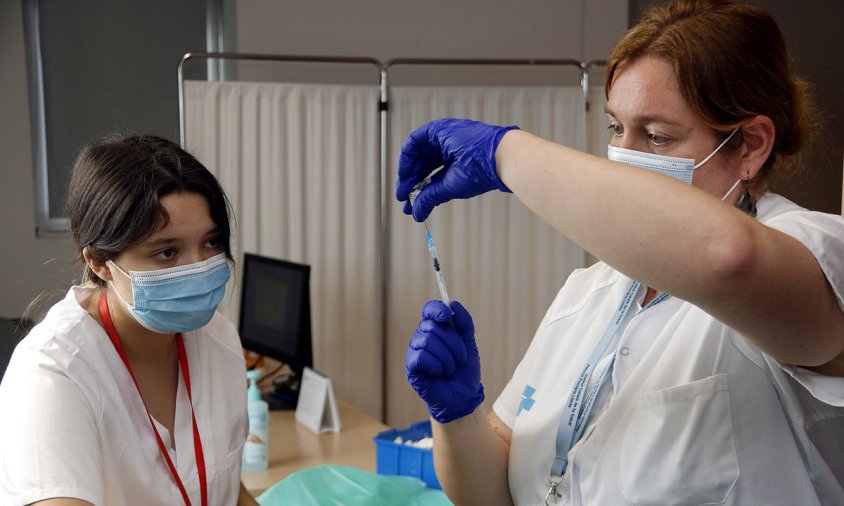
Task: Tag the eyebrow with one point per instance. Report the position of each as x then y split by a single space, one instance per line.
170 240
647 118
161 241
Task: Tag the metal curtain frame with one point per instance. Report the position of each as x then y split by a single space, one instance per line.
583 67
383 68
254 57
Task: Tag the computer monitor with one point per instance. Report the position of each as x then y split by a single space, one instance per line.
275 317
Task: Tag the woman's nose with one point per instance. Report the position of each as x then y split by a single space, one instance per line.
629 142
197 256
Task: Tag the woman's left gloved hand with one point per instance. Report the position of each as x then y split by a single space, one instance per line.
443 364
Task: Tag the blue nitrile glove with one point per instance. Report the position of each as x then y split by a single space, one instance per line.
465 149
442 362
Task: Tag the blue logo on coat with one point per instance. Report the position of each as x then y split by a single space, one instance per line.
527 403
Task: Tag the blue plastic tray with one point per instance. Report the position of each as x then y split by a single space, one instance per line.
404 460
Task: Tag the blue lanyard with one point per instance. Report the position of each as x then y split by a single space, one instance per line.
576 411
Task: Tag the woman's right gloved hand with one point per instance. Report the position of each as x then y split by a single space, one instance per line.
466 151
442 362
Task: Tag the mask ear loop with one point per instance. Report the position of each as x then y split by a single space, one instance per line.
730 191
114 286
746 201
710 155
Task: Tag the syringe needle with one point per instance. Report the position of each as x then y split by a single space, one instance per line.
437 272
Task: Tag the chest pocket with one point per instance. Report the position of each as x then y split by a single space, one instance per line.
679 448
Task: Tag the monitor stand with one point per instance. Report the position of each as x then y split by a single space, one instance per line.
285 394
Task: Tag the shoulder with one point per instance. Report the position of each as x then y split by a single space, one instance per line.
65 336
61 356
821 233
585 287
222 333
63 319
806 226
51 389
216 346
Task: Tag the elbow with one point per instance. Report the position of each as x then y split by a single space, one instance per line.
733 259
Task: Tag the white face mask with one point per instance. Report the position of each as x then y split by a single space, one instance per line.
682 169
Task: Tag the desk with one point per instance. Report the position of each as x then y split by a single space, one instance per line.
293 447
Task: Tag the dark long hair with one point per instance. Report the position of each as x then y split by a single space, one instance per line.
115 191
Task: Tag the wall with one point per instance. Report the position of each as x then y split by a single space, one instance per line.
385 29
28 265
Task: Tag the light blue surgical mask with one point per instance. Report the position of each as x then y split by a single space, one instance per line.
177 299
672 166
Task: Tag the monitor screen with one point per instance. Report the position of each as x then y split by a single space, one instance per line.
275 310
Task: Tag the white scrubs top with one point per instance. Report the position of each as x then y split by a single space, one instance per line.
692 413
73 424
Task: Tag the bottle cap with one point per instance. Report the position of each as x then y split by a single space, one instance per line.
253 393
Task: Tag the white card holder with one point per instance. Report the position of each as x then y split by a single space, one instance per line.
317 409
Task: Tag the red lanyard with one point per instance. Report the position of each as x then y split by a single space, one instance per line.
183 363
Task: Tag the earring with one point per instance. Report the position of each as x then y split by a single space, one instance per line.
746 201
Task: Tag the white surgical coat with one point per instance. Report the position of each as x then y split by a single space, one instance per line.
73 425
692 414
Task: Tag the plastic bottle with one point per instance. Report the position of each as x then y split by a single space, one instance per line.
256 448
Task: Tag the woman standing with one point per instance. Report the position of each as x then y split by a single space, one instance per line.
702 360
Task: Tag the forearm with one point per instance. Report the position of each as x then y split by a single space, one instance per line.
245 498
681 240
635 220
471 461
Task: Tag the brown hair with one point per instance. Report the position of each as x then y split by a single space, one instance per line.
731 63
115 191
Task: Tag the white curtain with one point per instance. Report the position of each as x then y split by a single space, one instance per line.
300 166
502 262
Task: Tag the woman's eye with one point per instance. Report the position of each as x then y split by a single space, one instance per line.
214 243
616 129
656 139
166 254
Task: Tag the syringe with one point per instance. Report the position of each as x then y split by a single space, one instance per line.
437 272
432 248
